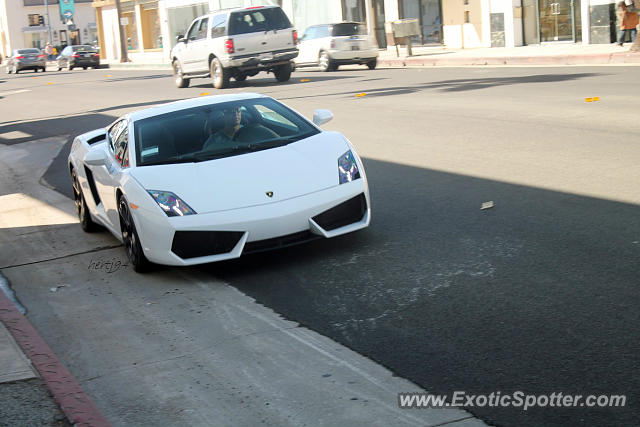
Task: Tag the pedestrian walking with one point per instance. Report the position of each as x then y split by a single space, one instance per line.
628 22
48 50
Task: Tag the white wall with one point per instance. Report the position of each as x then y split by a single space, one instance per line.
110 29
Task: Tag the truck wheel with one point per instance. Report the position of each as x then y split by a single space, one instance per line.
372 64
325 63
283 72
219 74
178 77
240 77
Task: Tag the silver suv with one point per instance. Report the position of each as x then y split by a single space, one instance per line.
236 43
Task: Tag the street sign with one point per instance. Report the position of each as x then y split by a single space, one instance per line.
67 10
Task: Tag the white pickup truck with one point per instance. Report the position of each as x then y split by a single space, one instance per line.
236 43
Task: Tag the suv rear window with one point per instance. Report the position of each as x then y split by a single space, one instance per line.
255 20
83 48
348 30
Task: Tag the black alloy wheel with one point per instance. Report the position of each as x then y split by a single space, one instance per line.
130 238
82 211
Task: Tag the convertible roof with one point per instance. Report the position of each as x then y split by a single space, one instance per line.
190 103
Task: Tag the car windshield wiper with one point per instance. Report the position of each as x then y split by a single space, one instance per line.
190 159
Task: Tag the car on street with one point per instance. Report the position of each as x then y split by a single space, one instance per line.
77 56
330 45
213 178
236 43
26 59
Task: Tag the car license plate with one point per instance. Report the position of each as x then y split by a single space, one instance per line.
355 47
266 57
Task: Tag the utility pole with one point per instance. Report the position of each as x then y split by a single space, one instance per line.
46 7
123 42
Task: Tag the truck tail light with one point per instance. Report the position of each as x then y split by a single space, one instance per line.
295 37
228 45
75 55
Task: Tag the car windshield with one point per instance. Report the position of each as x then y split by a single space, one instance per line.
26 51
259 19
217 130
348 29
83 48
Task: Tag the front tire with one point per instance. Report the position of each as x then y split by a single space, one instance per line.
283 72
372 64
219 74
130 238
82 210
325 63
178 77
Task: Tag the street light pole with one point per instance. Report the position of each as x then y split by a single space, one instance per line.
46 7
123 45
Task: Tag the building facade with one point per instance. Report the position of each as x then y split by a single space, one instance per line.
151 26
24 23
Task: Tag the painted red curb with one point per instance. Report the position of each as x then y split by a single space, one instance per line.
75 404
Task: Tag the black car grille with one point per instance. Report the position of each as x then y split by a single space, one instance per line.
279 242
193 244
345 213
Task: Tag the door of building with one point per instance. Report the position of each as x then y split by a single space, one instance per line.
557 20
74 36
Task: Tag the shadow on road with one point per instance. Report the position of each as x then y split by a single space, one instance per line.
461 85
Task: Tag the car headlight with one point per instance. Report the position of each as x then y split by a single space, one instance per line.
171 204
348 168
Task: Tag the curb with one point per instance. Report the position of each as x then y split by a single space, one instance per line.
593 59
75 404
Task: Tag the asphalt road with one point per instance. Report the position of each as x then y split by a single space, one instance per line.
537 294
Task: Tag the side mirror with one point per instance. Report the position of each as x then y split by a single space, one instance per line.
180 38
96 157
321 117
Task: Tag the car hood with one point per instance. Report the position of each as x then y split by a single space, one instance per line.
245 180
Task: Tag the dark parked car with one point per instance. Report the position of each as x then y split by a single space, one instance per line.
26 59
84 56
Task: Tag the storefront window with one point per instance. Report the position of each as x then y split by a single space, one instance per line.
151 33
429 15
181 17
314 12
36 39
353 10
131 34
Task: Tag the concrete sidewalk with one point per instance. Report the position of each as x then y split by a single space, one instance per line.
430 56
260 366
546 54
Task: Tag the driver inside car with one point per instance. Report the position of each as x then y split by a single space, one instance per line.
221 126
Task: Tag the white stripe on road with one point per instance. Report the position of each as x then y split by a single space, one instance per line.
14 92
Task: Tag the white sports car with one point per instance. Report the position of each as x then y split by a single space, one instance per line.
212 178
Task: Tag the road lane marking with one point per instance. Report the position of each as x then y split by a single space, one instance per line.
14 92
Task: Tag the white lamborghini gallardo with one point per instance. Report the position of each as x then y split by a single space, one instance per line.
212 178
